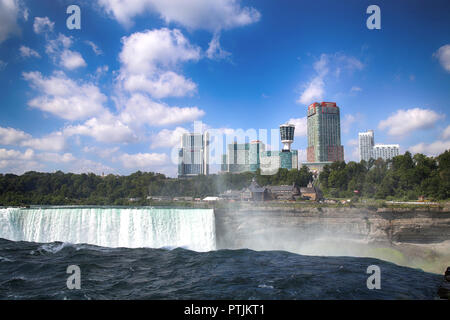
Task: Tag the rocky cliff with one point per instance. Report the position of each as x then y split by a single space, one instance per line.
418 238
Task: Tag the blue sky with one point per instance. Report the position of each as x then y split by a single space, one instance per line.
115 95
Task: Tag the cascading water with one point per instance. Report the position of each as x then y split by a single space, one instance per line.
193 229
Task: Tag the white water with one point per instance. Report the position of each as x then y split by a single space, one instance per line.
193 229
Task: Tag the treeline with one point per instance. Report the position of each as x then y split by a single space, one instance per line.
404 177
35 188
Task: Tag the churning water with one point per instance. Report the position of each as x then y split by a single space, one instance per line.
117 252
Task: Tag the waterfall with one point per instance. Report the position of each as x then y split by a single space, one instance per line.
193 229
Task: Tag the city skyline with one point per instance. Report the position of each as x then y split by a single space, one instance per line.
117 95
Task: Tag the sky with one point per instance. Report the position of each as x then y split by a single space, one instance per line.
115 95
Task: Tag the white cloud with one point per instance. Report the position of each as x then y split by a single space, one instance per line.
406 121
214 50
8 154
143 161
193 14
301 129
168 138
355 89
55 157
53 142
141 110
72 60
149 59
433 149
443 55
161 85
11 136
9 11
28 52
64 97
3 65
43 25
446 133
106 128
59 50
94 47
314 90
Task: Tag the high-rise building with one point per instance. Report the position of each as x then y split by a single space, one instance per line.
369 150
366 142
385 151
242 157
324 133
193 157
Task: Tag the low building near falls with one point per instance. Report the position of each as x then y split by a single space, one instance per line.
254 192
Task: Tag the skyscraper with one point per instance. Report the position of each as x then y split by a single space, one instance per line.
242 157
366 141
193 157
324 133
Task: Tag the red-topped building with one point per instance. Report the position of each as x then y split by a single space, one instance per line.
324 133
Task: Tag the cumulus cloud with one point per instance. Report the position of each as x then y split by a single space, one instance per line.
43 25
446 133
53 142
9 12
193 14
443 56
149 61
141 110
106 128
168 138
28 52
72 60
55 157
59 49
406 121
314 91
301 129
8 154
333 64
11 136
12 161
64 97
431 149
143 161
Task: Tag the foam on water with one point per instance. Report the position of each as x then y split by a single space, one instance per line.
112 227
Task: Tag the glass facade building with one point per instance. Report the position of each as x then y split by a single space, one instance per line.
271 161
324 133
193 155
242 157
